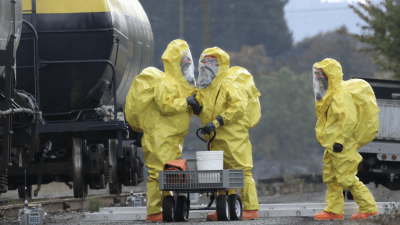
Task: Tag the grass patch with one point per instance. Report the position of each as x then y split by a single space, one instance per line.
15 202
40 199
94 204
291 180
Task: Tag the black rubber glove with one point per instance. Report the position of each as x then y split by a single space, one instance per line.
207 129
337 148
197 109
191 100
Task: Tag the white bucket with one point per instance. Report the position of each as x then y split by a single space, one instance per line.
210 160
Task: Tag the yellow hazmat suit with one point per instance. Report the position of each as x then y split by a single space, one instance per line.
232 95
156 105
348 115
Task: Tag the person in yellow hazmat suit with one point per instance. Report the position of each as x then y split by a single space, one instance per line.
347 120
159 105
230 107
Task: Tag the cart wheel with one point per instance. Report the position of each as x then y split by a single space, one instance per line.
223 212
235 205
168 207
182 215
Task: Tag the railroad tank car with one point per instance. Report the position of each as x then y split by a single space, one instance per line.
115 30
74 59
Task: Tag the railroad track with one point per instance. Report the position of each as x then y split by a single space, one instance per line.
63 203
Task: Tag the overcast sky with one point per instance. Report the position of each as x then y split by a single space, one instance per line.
307 18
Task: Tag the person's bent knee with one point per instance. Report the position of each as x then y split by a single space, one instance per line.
328 177
347 182
333 184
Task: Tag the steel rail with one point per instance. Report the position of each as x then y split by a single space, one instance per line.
62 203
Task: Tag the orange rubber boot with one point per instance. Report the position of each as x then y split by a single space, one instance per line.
362 216
212 216
328 216
250 215
155 217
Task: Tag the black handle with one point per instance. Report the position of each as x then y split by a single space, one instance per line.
211 140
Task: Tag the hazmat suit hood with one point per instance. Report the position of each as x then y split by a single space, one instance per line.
178 63
213 67
333 71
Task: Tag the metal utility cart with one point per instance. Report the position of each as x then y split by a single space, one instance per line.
182 183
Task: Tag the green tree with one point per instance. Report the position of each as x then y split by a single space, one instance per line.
233 23
286 128
382 33
254 59
333 44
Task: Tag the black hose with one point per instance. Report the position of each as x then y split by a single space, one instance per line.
208 143
71 120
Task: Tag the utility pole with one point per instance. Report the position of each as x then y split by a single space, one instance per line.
182 19
206 14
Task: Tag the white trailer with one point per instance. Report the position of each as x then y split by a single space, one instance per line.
381 157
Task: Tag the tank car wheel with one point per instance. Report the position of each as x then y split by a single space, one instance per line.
115 187
223 212
21 191
80 186
168 207
235 207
